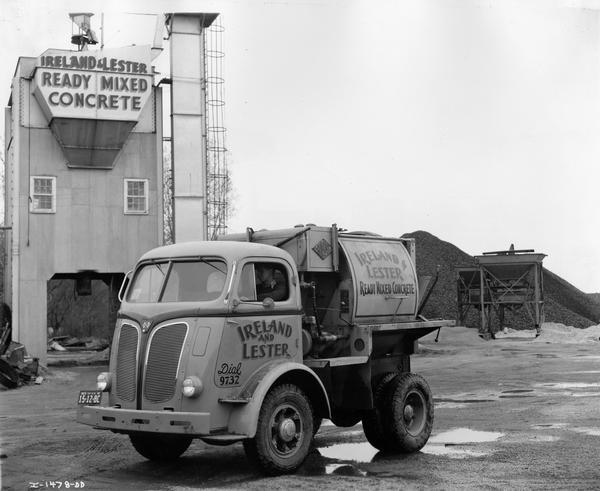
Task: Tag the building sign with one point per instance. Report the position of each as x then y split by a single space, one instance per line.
110 84
384 278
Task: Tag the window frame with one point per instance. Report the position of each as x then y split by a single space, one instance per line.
170 264
276 264
32 207
126 195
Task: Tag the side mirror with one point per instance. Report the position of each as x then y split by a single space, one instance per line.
268 303
234 303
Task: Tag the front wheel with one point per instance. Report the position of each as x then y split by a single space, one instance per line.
284 431
160 447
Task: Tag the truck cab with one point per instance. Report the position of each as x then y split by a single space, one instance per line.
256 337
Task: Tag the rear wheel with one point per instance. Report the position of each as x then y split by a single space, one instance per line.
374 424
410 411
403 416
160 447
284 431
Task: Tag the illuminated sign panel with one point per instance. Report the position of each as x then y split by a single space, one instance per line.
110 84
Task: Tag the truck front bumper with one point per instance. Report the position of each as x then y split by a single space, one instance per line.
127 420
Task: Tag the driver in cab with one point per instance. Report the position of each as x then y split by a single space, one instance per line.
270 283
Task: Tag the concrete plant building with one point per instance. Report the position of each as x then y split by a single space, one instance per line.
84 164
83 191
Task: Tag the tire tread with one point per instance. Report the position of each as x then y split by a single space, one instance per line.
259 456
405 442
374 420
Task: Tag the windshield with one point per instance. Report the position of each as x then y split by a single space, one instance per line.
178 281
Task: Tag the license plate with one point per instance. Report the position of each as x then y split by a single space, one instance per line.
89 397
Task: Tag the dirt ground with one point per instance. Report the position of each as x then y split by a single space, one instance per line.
509 414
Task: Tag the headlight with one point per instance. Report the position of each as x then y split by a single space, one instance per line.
192 386
103 381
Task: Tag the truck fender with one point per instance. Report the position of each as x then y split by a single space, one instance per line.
244 418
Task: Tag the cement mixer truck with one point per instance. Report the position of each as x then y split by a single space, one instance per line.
257 337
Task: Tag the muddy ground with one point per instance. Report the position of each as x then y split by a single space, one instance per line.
510 414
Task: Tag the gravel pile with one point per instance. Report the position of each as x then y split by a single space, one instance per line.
564 304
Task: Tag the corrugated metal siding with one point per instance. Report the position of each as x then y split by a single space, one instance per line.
127 363
163 361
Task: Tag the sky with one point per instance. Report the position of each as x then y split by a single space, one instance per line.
475 120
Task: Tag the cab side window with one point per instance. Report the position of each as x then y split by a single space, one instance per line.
262 280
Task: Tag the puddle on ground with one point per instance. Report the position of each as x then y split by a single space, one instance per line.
587 431
544 438
466 398
461 436
449 405
447 443
545 355
587 357
512 393
568 385
457 401
357 452
549 426
465 401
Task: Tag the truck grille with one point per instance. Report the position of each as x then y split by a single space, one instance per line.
163 362
126 362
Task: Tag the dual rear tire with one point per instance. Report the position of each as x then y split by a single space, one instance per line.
403 415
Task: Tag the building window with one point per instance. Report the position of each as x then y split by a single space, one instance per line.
42 194
136 196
